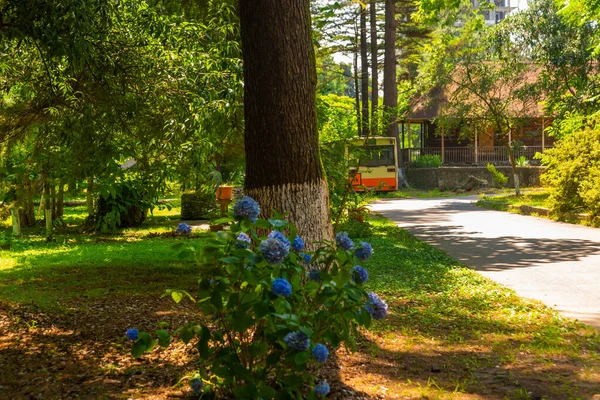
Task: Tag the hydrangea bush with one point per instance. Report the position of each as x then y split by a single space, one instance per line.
272 313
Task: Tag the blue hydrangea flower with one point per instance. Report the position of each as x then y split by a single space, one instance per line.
246 207
314 275
196 385
183 229
306 258
320 353
274 250
364 251
376 307
298 341
322 389
243 241
359 274
281 287
132 334
298 244
281 237
343 241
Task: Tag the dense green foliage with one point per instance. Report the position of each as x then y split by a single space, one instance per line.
427 161
498 177
573 171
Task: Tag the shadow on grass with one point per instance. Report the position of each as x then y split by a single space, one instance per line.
403 370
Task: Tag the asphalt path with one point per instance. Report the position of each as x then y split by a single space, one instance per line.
554 262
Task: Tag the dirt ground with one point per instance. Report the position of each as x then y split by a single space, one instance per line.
82 353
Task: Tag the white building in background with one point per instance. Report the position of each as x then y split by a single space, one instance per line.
494 15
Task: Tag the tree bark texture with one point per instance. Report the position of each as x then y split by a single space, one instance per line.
89 196
48 210
364 71
390 89
27 210
16 221
374 69
59 210
356 86
283 167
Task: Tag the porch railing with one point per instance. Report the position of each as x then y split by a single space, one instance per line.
471 155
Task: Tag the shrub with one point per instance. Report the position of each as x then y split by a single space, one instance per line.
522 161
272 314
427 161
124 204
356 229
198 205
498 177
573 171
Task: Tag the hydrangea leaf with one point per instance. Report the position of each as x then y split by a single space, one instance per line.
164 339
139 347
278 223
186 335
302 358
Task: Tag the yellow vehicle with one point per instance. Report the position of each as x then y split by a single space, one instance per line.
378 167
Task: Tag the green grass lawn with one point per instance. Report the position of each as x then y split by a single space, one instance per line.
530 198
450 334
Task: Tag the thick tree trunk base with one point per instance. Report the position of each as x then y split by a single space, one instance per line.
307 204
517 184
16 221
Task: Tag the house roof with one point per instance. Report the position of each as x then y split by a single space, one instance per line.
428 106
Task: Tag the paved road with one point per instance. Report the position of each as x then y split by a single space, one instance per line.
554 262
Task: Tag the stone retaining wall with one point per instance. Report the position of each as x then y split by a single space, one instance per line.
447 178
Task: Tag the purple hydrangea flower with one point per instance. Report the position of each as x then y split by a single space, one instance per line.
359 274
298 244
376 307
274 250
243 241
320 353
343 241
314 275
196 385
322 389
281 287
364 251
247 207
298 341
183 229
132 334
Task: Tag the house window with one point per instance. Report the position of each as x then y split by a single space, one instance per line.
486 15
499 16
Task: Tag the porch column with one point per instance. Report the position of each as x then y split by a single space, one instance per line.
476 146
443 158
408 137
543 133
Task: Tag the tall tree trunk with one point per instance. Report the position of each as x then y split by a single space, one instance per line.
356 88
364 71
60 201
374 69
513 167
89 196
53 200
283 167
16 220
27 212
48 209
390 89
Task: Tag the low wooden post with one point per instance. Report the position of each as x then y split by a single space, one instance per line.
476 146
